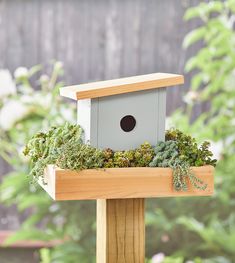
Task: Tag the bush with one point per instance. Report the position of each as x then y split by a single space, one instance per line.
23 111
205 227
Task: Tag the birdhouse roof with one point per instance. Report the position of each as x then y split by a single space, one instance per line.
120 86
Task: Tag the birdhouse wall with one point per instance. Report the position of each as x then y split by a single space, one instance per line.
104 118
87 117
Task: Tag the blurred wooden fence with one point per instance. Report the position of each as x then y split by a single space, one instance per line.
97 40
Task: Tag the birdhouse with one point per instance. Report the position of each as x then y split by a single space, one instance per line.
123 113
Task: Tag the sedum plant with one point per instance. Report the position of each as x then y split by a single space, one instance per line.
46 148
63 146
188 149
139 157
78 156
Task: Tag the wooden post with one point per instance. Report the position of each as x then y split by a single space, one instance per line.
120 231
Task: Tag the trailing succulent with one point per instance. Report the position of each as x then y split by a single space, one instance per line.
167 155
180 152
63 146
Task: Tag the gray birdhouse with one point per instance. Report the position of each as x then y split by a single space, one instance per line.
123 113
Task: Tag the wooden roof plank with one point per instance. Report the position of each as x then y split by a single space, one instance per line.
120 86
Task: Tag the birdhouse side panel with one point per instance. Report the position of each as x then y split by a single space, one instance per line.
161 114
87 118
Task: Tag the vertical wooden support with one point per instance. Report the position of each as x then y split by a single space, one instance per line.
120 231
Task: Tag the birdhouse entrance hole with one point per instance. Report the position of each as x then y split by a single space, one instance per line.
128 123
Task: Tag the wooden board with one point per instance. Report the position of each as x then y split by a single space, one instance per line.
120 86
114 183
120 231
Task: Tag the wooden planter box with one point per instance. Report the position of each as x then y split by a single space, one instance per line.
119 183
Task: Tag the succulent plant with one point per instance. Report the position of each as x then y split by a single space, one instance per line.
78 156
167 154
189 150
64 147
139 157
44 148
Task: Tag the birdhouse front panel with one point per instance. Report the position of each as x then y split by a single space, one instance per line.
127 120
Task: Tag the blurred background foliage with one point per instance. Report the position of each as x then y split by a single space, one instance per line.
178 230
205 227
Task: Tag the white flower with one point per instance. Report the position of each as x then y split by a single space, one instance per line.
26 99
21 72
190 97
7 85
12 112
158 258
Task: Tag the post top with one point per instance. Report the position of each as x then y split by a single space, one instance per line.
120 86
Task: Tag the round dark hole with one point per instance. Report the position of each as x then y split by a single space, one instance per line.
128 123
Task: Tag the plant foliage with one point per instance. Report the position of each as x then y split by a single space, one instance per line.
34 104
63 146
139 157
202 229
180 151
46 148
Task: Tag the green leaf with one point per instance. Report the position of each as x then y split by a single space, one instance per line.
34 200
45 255
196 81
191 64
33 234
194 36
194 11
203 10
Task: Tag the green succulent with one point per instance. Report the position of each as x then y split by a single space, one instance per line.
140 157
167 154
189 150
143 155
63 146
44 148
78 156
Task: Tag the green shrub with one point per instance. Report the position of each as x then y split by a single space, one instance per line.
204 227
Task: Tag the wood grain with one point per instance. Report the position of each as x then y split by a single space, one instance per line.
114 183
120 231
120 86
